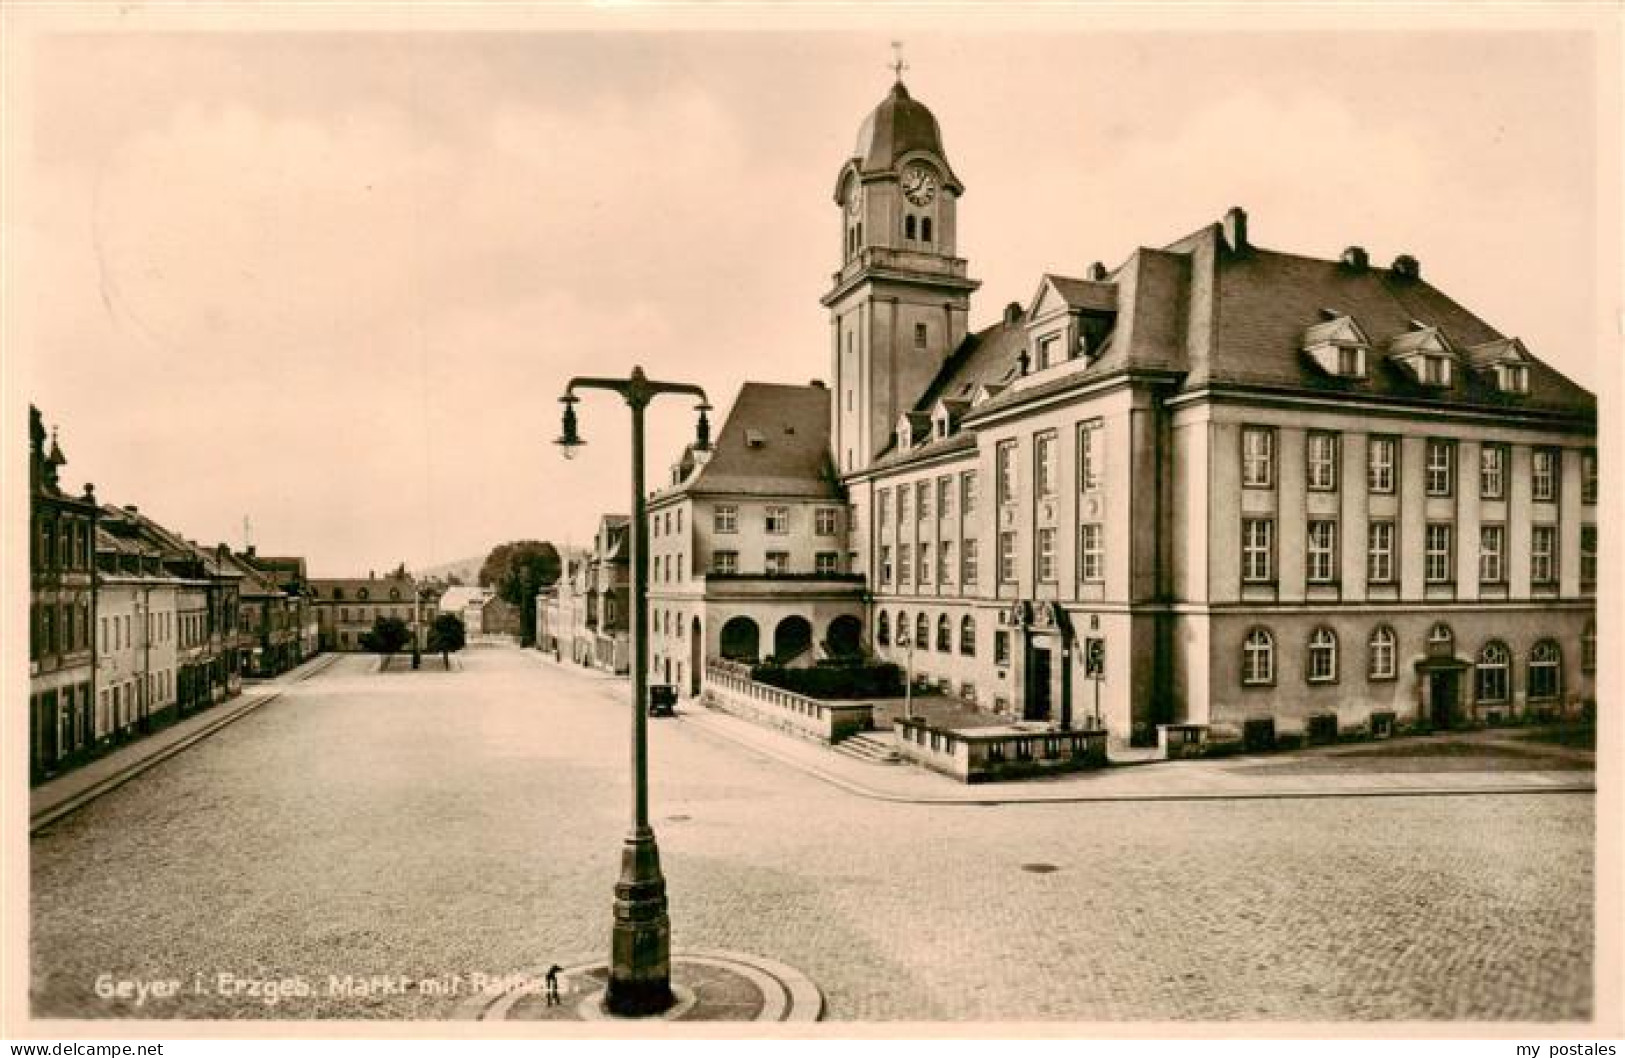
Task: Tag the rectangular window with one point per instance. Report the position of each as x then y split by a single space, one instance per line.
725 562
1436 553
1007 472
1543 466
1092 553
1257 457
826 563
920 333
1001 647
825 520
967 492
1047 347
1322 465
1588 476
885 563
1044 463
945 563
922 493
1322 561
1543 554
883 508
1091 451
905 504
925 564
1440 461
1588 557
905 565
1492 472
1491 554
1436 370
777 564
969 561
1380 464
1007 557
727 518
1257 550
1351 361
945 497
1046 554
778 520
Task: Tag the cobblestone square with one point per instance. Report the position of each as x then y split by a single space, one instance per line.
368 843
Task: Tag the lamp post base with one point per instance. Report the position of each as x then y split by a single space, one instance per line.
640 946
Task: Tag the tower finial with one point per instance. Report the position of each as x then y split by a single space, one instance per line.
897 64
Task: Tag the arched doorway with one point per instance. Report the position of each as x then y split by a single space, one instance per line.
696 658
741 640
845 636
792 638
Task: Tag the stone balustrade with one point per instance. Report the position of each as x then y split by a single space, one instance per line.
728 687
1006 752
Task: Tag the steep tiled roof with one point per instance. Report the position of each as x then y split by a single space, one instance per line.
775 442
377 588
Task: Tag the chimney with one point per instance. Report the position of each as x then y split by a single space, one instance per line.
816 383
250 551
132 508
1235 228
1355 258
1407 267
1096 272
372 574
1012 312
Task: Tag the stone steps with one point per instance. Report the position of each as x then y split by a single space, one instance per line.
869 747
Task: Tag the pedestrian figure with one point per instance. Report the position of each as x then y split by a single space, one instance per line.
553 984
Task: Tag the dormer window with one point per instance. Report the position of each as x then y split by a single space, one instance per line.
1337 345
1512 378
1351 362
1435 370
1048 347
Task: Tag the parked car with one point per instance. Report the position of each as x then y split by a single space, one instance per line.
662 700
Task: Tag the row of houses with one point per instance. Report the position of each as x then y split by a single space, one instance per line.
585 615
132 626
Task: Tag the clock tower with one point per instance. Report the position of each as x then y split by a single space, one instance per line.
899 303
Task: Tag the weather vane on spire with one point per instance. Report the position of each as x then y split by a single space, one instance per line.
897 64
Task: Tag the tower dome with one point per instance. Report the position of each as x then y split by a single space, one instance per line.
898 126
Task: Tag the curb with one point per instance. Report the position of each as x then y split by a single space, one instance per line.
73 802
860 790
787 994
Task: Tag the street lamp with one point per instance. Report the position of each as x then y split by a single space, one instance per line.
640 946
905 640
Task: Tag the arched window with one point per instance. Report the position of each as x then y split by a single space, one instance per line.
967 636
1322 667
925 229
944 635
1494 672
1588 647
1258 657
1441 640
902 628
1380 664
922 631
908 227
883 629
1545 671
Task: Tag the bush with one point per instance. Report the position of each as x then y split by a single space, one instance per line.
835 683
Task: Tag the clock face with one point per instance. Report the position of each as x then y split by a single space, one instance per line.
919 184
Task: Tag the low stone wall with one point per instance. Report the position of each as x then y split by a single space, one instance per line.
991 753
810 718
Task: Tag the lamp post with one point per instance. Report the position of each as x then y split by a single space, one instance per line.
907 641
640 946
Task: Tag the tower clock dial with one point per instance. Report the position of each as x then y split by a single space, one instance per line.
919 185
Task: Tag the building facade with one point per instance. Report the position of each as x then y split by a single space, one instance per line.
346 608
1214 483
748 555
62 611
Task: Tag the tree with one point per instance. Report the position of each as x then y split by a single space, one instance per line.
446 635
517 571
388 635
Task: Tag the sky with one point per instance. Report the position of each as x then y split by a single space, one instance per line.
334 284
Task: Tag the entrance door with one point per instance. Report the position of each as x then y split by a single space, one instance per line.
1038 691
1441 697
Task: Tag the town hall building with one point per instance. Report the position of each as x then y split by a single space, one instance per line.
1212 483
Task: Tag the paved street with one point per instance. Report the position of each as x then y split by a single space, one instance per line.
430 824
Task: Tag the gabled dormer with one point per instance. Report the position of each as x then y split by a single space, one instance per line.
986 392
945 418
1338 346
913 428
1505 362
1426 353
1070 319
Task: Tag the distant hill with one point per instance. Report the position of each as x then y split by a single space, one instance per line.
465 569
